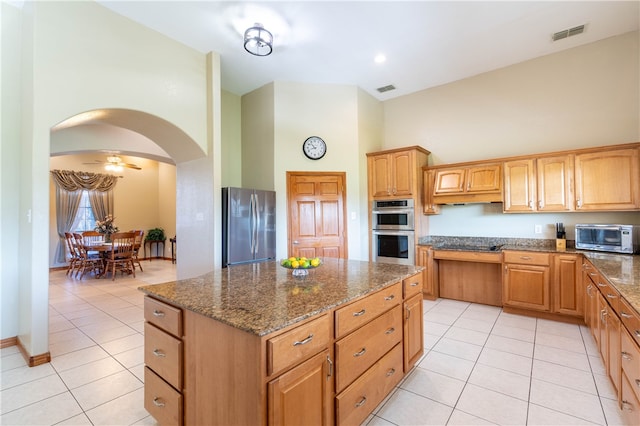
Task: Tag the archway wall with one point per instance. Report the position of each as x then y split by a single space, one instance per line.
78 57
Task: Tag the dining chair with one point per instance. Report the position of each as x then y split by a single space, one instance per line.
88 261
136 248
73 255
92 237
121 254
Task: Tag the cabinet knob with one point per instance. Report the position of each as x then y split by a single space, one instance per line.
392 371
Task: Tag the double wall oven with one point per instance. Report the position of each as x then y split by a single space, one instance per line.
393 236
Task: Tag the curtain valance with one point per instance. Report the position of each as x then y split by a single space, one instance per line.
74 181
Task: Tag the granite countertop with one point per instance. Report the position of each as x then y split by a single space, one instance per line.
622 271
261 298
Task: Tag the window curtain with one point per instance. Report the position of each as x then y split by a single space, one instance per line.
67 203
101 203
69 187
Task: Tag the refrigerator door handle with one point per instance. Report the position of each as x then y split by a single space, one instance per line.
256 226
253 225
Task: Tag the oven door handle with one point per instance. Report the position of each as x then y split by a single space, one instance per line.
393 211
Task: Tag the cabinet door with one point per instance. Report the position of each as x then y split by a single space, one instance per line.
302 395
613 340
555 185
379 176
526 286
484 179
629 403
567 294
602 338
428 206
519 186
413 331
402 171
424 258
449 181
608 180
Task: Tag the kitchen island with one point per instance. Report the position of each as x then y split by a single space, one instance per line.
252 344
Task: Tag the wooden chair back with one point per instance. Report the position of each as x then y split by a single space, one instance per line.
92 236
122 245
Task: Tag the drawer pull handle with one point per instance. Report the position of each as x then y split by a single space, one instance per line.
159 353
361 402
360 313
611 296
392 371
627 406
157 313
361 352
525 257
391 297
623 314
627 356
330 367
158 402
637 333
389 331
638 383
303 341
414 284
601 285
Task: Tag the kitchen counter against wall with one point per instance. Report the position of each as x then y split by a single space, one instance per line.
261 298
621 270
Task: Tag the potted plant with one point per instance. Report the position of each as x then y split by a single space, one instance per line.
155 234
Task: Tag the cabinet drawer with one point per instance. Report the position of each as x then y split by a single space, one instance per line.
364 310
630 319
526 258
298 344
610 294
630 360
362 348
164 316
163 354
162 401
629 403
412 285
363 396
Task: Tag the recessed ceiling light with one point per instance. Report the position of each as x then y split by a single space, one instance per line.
380 58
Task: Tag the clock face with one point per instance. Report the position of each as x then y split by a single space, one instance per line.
314 148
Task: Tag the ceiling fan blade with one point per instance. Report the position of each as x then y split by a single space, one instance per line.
131 166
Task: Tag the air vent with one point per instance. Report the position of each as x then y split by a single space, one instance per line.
568 33
386 88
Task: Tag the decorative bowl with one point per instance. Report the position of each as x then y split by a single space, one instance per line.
300 266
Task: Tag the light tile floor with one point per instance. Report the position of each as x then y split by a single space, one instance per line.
481 365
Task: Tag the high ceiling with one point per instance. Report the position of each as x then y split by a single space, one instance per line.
426 43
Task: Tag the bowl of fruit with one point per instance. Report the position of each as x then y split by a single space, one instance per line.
300 265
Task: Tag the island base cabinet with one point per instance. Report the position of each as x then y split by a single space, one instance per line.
161 401
526 286
303 396
629 403
413 331
358 400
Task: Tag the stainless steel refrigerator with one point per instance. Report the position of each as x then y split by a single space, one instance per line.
248 226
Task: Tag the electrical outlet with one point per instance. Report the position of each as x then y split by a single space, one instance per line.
538 229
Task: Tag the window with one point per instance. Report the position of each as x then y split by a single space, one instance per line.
85 220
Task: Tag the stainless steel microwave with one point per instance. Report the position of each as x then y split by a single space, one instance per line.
611 238
392 215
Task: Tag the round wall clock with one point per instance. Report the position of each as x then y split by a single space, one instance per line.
314 148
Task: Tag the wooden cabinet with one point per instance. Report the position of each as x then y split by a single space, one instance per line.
396 173
424 257
608 180
526 280
630 378
613 347
538 185
590 291
163 361
302 395
428 204
474 183
413 331
567 284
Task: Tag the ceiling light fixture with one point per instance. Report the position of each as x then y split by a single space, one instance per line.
258 41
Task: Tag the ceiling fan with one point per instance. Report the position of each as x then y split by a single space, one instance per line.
115 164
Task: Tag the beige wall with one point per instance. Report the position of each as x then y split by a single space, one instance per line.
258 138
231 139
582 97
143 199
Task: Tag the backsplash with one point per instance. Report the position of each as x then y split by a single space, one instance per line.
491 241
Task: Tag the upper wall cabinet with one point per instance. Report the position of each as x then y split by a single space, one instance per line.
608 180
396 173
475 183
539 185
